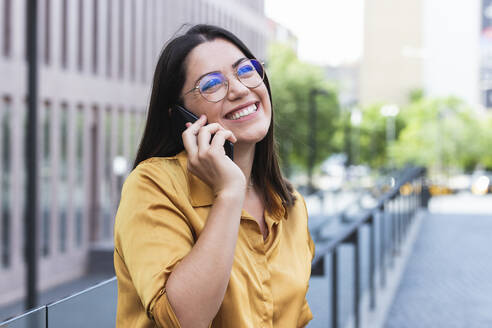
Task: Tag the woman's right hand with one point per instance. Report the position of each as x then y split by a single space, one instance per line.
207 158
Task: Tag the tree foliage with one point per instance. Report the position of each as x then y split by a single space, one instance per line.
438 133
444 133
292 81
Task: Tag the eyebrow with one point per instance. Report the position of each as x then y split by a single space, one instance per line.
236 63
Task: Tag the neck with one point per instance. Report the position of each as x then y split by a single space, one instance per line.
243 157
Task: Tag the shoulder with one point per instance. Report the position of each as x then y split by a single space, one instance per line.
299 202
298 210
161 172
155 184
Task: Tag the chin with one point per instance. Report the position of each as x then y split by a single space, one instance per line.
253 138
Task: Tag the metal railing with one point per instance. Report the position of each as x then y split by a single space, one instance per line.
96 306
92 307
393 212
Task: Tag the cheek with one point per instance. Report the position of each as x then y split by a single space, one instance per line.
199 106
267 105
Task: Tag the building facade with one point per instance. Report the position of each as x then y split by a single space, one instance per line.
96 61
442 47
387 72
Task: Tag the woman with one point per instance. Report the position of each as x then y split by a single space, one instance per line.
202 240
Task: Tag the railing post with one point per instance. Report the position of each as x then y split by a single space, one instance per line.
372 261
334 289
410 212
382 245
354 239
398 220
403 219
392 238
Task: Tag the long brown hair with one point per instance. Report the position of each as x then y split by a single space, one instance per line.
159 138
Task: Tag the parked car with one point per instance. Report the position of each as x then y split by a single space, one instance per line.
481 182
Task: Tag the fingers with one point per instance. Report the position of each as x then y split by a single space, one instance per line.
205 134
220 137
197 138
189 135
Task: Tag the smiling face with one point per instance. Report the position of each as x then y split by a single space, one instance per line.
244 111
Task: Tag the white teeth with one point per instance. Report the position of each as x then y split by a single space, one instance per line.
249 110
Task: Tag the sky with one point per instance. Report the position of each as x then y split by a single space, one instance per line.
329 32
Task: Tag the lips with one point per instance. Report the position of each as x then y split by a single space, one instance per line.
242 112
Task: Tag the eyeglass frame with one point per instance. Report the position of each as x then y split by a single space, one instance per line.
235 65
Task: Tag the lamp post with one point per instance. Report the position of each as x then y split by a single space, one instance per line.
312 134
390 112
356 120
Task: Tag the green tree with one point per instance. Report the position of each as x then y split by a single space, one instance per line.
442 133
369 139
485 142
292 81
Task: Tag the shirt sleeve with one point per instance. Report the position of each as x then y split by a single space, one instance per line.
153 236
309 239
306 314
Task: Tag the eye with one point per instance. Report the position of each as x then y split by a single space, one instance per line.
245 70
211 83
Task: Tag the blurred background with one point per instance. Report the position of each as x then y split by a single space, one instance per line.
362 91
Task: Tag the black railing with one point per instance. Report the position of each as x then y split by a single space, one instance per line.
394 212
96 306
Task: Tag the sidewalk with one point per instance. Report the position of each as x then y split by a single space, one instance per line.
448 277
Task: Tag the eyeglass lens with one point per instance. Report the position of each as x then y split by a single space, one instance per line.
214 85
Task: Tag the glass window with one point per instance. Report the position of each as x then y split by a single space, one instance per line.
107 142
109 22
141 126
153 29
7 27
63 183
47 31
144 23
120 152
64 34
79 176
121 30
106 187
23 173
95 35
80 37
121 117
133 37
5 182
133 134
46 182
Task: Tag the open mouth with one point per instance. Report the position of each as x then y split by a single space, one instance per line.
243 112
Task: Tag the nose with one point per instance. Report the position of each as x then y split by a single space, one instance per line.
236 89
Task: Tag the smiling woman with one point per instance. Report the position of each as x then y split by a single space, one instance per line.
202 240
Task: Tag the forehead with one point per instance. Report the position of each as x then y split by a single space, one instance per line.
215 55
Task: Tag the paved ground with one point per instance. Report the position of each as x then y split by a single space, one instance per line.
448 277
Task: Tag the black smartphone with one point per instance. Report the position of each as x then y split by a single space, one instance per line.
180 116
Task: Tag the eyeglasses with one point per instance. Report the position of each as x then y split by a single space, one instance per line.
214 86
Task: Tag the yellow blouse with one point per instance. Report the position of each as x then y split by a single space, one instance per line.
162 212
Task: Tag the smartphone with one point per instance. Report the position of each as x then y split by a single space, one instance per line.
180 116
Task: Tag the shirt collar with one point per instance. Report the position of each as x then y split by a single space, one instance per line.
200 194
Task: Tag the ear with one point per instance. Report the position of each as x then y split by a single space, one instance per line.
169 111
